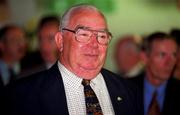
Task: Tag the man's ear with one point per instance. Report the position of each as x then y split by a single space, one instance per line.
144 57
59 41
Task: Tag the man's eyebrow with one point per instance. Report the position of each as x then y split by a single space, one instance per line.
85 27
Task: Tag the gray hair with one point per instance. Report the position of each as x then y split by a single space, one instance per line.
76 9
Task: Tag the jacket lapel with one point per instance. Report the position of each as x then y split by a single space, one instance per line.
117 94
53 93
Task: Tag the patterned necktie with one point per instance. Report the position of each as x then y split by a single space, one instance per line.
154 108
92 104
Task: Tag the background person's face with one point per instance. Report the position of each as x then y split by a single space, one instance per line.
15 45
127 57
84 59
47 44
161 60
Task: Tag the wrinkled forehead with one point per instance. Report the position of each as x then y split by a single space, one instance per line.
92 19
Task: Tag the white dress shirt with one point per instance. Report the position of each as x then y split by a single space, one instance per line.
74 92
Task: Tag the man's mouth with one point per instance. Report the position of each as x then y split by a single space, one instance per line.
91 55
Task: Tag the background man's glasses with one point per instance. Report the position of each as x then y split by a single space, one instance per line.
84 34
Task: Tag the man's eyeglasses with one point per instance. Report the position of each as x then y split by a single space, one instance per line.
84 34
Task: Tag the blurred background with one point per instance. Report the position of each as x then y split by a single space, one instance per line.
140 17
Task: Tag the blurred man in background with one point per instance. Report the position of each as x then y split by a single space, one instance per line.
12 49
47 52
160 91
127 56
48 27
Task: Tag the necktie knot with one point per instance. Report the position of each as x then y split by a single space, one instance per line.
85 82
154 95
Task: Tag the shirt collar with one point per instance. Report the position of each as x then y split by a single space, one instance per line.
72 78
97 80
150 88
4 67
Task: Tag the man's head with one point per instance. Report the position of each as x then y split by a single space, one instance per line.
127 53
159 55
12 43
83 40
47 29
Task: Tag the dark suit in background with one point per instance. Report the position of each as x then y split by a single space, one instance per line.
32 63
172 93
158 54
1 84
47 52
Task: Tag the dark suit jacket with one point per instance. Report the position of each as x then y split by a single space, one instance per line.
32 63
171 104
44 94
1 88
1 84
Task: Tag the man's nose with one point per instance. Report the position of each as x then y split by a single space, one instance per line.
94 40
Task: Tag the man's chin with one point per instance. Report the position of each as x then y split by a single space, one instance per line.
89 67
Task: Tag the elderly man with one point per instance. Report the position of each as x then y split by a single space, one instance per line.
76 84
160 91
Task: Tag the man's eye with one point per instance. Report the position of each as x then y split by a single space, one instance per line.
84 34
162 55
175 54
50 38
103 36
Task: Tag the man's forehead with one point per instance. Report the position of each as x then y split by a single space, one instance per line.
86 19
163 44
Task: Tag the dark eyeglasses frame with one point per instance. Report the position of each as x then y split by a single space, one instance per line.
86 28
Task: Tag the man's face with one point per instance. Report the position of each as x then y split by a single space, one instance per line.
127 56
47 44
161 60
84 59
14 45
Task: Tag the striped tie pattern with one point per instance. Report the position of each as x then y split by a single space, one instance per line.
92 103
